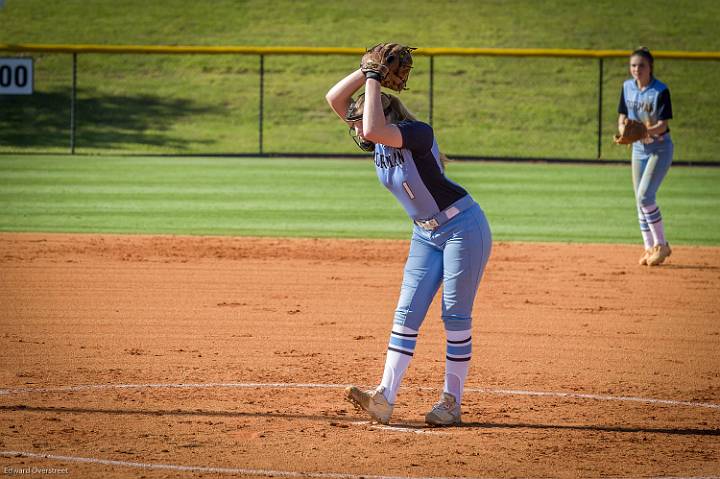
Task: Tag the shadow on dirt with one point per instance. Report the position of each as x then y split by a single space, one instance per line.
336 418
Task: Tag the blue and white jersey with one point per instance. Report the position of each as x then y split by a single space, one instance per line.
415 174
647 106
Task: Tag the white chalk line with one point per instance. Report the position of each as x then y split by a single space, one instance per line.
383 427
598 397
243 471
292 474
206 469
501 392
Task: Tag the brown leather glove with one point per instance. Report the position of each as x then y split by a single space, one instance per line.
632 132
389 63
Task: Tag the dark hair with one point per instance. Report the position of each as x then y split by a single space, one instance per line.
645 53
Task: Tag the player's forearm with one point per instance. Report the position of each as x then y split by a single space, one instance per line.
658 128
373 117
340 94
375 126
621 121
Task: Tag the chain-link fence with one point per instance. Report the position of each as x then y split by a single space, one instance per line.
482 103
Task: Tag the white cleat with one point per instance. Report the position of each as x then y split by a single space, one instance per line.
445 412
371 401
658 254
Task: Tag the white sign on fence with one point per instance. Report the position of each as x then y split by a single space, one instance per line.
16 76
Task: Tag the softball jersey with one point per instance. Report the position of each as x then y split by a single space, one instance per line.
415 175
647 106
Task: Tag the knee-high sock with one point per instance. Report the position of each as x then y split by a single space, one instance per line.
457 362
655 223
647 236
400 351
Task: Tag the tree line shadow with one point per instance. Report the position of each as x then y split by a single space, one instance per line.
103 120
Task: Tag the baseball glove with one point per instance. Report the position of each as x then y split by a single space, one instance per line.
390 62
632 132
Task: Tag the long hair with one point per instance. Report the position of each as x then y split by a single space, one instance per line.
394 109
644 52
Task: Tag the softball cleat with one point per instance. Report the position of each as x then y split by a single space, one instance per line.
445 413
372 402
659 253
643 261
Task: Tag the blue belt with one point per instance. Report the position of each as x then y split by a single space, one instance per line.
447 214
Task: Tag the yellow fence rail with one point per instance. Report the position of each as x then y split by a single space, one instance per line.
243 50
599 55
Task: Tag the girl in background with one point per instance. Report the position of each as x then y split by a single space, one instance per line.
646 99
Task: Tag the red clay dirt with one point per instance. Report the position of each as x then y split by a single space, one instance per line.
267 331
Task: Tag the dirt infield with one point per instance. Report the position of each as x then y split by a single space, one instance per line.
209 356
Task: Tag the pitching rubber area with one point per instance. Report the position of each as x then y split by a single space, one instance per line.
160 356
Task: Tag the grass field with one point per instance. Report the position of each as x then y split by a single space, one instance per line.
483 106
336 198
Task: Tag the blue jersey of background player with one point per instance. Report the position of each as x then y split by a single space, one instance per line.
646 99
450 242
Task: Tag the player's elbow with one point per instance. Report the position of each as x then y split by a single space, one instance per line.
373 134
330 99
388 135
336 100
373 130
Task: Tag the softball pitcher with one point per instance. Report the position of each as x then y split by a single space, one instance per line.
450 242
646 99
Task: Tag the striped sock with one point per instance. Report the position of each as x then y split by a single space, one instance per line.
655 223
400 351
647 236
457 362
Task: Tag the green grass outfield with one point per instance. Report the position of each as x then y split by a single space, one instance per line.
336 198
483 106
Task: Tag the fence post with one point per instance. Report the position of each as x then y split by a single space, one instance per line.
73 101
600 104
432 70
260 112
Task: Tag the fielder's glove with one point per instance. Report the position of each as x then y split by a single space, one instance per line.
389 63
632 132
